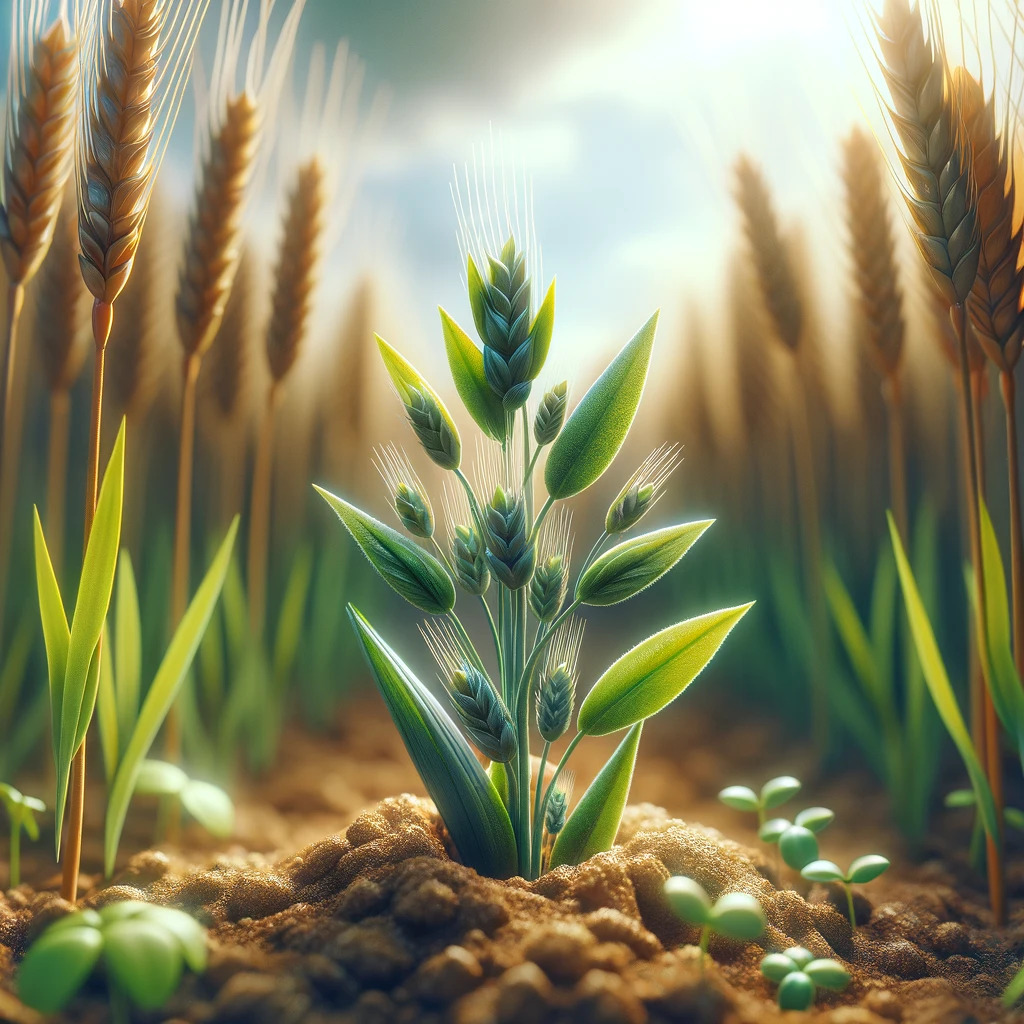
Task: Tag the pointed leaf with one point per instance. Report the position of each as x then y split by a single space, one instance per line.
939 686
465 797
166 683
410 571
635 564
106 710
594 823
477 297
56 633
210 806
127 646
57 965
466 363
540 333
655 672
593 434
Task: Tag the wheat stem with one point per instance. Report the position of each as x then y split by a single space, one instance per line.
1009 389
259 519
56 475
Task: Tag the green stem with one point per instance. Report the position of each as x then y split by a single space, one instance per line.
15 855
470 649
538 648
541 516
528 461
591 555
474 505
538 824
849 905
444 558
494 636
573 743
532 466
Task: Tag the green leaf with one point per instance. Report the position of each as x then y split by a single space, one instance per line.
94 589
961 798
57 964
822 871
867 869
188 932
160 778
466 799
652 674
593 434
410 571
289 620
772 831
143 959
127 646
796 992
1015 990
828 974
55 630
1014 818
688 899
540 333
815 818
775 792
210 806
798 846
739 916
939 686
594 822
166 683
106 710
775 966
477 297
466 363
635 564
741 798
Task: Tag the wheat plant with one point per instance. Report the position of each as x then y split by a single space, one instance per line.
514 563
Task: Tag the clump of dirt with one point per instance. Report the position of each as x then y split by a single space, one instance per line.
381 924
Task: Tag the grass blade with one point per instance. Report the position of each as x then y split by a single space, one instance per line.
55 631
466 363
289 620
465 797
593 825
166 683
128 646
106 710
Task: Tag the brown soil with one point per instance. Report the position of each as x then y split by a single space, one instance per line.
378 923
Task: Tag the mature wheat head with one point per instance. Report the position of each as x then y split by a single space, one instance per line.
297 268
61 323
934 151
872 249
40 143
995 304
772 260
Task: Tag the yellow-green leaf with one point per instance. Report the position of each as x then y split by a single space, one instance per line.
540 333
651 675
127 646
55 630
466 363
106 710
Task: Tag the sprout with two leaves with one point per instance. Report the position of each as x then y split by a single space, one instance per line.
208 804
862 870
799 974
774 793
140 949
513 563
798 839
21 812
734 915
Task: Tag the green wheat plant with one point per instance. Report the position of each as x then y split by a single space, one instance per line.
799 974
862 870
774 793
511 560
21 813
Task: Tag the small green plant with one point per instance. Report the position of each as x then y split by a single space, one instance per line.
797 840
799 974
21 812
208 804
1015 990
862 870
141 950
734 915
774 793
500 548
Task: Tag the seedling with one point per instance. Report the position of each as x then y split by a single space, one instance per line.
774 793
141 950
499 548
734 915
799 975
862 870
208 804
797 839
21 811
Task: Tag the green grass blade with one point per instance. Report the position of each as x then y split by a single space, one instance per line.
1015 990
290 618
106 710
594 823
166 683
541 329
128 645
466 363
465 797
651 675
594 432
938 683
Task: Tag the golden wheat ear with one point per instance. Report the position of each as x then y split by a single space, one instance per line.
41 101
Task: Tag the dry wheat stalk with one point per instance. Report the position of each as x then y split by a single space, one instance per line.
229 357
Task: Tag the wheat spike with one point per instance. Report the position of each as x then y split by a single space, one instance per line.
872 249
40 135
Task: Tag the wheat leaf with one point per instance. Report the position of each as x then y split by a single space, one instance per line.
466 363
166 683
593 434
651 675
635 564
127 646
593 825
465 797
106 710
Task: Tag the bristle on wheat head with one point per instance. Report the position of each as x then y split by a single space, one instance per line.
771 257
297 268
872 248
39 152
212 245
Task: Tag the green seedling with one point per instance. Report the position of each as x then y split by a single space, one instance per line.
797 840
1015 990
774 793
799 975
862 870
21 812
514 564
734 915
141 950
208 804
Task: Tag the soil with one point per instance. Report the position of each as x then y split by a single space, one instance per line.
377 922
